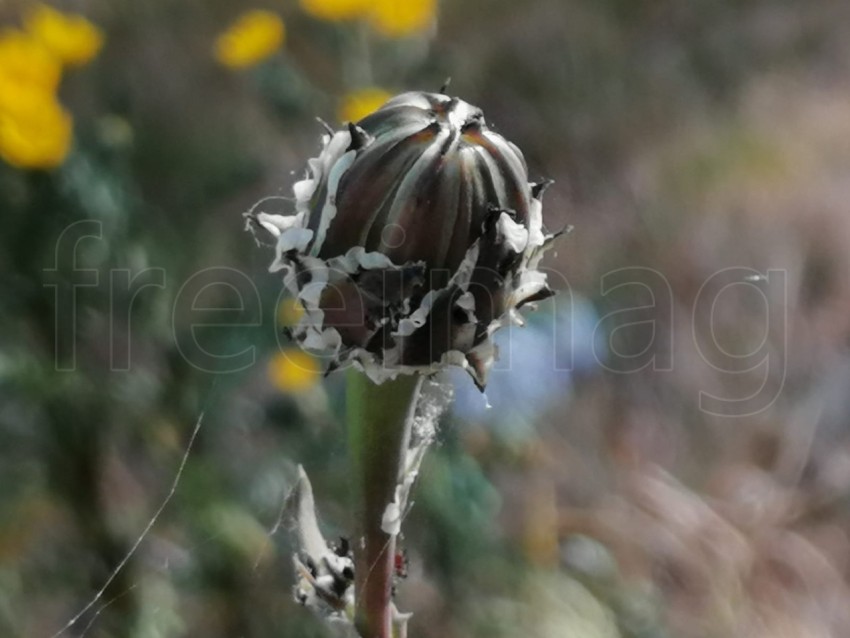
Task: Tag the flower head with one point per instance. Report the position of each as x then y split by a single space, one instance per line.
294 370
390 18
358 104
35 131
335 9
416 235
289 312
25 64
71 38
251 39
395 19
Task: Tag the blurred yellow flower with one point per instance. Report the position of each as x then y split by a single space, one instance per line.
399 18
25 64
253 37
358 104
336 9
70 37
294 370
289 312
35 132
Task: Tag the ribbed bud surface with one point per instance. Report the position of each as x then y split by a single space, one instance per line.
416 235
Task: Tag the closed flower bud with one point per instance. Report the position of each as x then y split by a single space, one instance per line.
416 235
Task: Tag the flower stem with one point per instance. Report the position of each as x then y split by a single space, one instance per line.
379 422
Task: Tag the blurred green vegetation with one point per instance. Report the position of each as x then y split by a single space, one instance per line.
684 137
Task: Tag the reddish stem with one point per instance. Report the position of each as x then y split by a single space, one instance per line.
379 426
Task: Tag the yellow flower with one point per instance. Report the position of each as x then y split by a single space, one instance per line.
335 9
251 39
25 65
294 370
289 312
70 37
358 104
399 18
35 132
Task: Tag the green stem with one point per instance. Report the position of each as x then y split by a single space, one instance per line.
379 422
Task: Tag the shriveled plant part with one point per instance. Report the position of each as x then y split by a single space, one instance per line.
416 235
325 570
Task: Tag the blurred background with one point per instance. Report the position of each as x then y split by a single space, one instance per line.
668 449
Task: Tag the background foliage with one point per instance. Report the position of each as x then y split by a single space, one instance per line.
684 138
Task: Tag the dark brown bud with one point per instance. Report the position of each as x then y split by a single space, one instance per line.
416 235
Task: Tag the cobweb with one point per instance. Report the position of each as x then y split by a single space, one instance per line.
134 547
436 395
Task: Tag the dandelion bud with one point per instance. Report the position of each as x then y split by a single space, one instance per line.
416 235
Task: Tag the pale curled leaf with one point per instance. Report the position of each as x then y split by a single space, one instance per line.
325 578
301 509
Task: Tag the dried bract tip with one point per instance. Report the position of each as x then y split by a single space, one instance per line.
359 137
539 188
